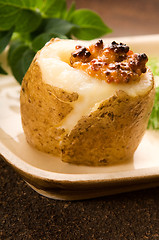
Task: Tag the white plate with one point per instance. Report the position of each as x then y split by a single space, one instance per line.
52 177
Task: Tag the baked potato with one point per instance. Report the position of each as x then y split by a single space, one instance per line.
87 103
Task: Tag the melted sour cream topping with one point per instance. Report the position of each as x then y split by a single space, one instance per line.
54 62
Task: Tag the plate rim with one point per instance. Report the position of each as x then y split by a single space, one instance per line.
127 175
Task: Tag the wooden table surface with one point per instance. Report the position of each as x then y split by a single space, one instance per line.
126 17
24 214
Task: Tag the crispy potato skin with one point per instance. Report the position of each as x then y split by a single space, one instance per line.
111 133
42 109
108 135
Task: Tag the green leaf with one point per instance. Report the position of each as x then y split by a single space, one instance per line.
27 58
21 4
8 17
57 25
39 30
43 38
18 12
154 118
15 60
69 13
19 59
153 123
5 37
90 25
153 63
14 44
33 4
22 36
54 8
2 71
27 21
38 4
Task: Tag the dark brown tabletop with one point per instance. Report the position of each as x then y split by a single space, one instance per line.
24 214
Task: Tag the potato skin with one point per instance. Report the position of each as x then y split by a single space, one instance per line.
111 133
43 107
108 135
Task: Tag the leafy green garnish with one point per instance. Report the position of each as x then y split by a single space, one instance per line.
15 59
56 25
69 13
5 37
153 63
22 15
154 118
27 25
91 25
54 8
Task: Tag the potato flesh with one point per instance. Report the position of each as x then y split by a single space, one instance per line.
54 64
